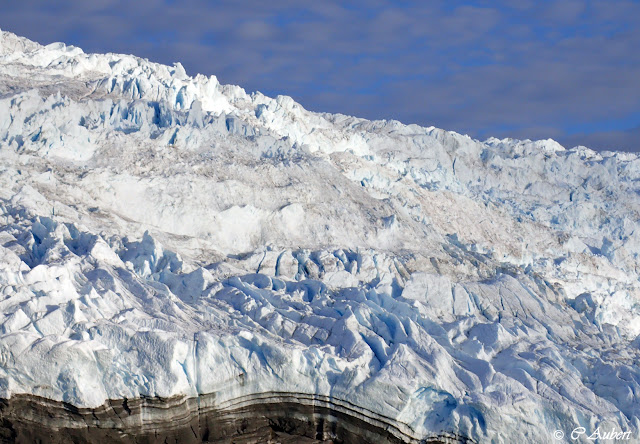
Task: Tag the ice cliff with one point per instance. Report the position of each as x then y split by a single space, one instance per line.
164 235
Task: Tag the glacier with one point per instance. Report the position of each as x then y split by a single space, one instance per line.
165 236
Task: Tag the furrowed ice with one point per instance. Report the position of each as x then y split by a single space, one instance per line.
182 260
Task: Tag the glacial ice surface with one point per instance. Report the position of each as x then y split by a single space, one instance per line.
162 234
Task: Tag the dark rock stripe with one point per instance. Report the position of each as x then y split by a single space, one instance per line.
258 418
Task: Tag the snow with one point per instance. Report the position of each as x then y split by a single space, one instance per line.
162 234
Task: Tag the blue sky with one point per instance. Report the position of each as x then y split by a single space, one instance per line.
569 69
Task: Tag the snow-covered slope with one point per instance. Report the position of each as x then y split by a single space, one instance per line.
167 235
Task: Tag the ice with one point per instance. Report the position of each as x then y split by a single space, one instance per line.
162 234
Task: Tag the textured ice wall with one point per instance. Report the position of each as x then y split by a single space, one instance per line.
171 235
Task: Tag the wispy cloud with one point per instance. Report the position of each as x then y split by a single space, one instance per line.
566 68
627 140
